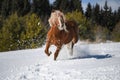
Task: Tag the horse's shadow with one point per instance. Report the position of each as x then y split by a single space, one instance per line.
85 52
94 56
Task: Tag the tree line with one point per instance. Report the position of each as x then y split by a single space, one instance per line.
24 23
105 17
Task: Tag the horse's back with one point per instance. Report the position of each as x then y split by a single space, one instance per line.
73 28
71 24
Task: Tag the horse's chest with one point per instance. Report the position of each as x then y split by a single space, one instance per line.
55 39
62 38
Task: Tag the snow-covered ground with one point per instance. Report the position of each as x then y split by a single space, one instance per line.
89 62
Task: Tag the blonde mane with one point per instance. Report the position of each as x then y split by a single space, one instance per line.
57 18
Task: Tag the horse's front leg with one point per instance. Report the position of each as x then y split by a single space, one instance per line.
57 52
47 49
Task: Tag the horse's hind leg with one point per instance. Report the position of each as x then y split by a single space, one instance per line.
70 48
47 49
75 38
57 52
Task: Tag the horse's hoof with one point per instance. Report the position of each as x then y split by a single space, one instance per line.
54 59
49 53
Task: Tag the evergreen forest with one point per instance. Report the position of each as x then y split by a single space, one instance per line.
24 23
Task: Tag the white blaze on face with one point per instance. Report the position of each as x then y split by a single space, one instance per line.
60 27
65 28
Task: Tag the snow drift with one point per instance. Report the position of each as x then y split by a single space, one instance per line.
89 62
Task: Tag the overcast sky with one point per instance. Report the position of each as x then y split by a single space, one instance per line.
113 3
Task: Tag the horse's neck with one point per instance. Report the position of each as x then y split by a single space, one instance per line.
55 30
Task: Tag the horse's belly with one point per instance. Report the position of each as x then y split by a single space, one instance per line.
67 39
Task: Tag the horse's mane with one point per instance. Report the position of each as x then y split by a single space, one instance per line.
57 18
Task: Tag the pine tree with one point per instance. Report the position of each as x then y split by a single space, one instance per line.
96 13
24 7
105 15
1 5
108 17
5 9
13 6
61 5
41 7
108 20
111 20
115 16
68 5
9 7
76 5
118 14
88 12
101 17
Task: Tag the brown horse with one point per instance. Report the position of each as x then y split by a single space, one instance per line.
59 37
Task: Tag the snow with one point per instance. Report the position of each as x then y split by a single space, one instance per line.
89 62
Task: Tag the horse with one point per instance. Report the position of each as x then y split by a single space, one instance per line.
60 37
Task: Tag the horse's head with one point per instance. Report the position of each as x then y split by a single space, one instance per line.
57 19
